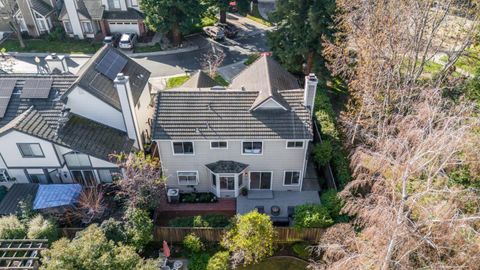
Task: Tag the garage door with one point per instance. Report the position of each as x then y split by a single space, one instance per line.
123 27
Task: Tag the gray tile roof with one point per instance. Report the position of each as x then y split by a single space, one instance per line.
41 7
102 87
202 113
226 114
40 118
94 8
129 14
199 80
82 9
15 194
226 166
267 76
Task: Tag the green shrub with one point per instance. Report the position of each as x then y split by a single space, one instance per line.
41 228
193 243
114 230
25 210
301 250
215 221
57 34
198 197
334 205
139 227
219 261
322 153
11 228
312 216
198 261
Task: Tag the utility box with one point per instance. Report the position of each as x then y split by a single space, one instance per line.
57 64
173 195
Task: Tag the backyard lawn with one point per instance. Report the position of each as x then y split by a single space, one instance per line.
176 81
43 46
278 263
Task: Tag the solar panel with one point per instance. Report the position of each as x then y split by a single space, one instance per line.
6 87
111 64
3 105
36 88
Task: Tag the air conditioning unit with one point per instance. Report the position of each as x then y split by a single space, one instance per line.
173 195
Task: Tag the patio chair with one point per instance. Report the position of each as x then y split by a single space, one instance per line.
291 211
260 209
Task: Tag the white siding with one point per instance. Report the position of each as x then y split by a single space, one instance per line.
144 111
275 158
85 104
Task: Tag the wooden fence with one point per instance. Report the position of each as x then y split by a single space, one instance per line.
176 234
283 234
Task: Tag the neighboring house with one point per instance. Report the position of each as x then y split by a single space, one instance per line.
36 16
62 129
254 134
87 18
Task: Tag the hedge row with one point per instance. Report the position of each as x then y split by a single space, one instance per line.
332 149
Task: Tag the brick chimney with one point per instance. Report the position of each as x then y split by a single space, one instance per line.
122 85
311 83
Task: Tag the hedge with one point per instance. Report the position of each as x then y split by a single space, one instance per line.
330 135
215 221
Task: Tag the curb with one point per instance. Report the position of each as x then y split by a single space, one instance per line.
182 50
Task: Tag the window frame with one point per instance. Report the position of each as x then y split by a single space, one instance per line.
295 142
251 154
250 180
76 167
196 178
219 148
227 178
26 156
37 175
183 148
292 171
87 31
69 29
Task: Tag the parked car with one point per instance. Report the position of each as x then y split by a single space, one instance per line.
229 29
214 32
113 39
128 41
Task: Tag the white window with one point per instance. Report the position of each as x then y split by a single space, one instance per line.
134 3
4 177
116 3
260 180
38 178
294 144
227 182
30 150
109 175
41 25
187 178
68 27
183 148
291 178
218 144
252 148
87 27
77 160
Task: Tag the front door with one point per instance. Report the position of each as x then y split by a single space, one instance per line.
227 183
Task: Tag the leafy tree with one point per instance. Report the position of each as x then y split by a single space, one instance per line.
193 243
114 230
90 250
222 6
219 261
11 228
250 239
312 216
174 16
41 228
322 153
142 183
297 39
139 227
198 261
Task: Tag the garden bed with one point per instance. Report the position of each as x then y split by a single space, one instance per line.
198 197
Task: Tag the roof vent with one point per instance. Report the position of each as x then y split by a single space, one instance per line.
62 121
218 88
197 130
208 126
242 88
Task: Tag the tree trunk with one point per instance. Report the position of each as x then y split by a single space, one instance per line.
223 16
16 29
309 66
176 35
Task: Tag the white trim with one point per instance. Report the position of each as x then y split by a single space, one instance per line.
299 178
248 154
178 180
173 150
218 148
230 140
34 11
303 144
259 106
305 163
249 179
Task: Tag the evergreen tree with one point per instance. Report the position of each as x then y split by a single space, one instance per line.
301 25
176 17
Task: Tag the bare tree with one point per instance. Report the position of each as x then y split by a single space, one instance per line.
212 60
91 205
142 182
8 8
407 141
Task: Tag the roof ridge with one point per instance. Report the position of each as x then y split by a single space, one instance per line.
269 81
17 120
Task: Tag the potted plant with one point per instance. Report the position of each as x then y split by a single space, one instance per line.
244 191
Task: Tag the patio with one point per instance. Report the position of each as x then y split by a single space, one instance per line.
282 199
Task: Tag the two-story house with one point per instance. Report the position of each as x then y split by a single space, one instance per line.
36 17
86 18
253 134
64 128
